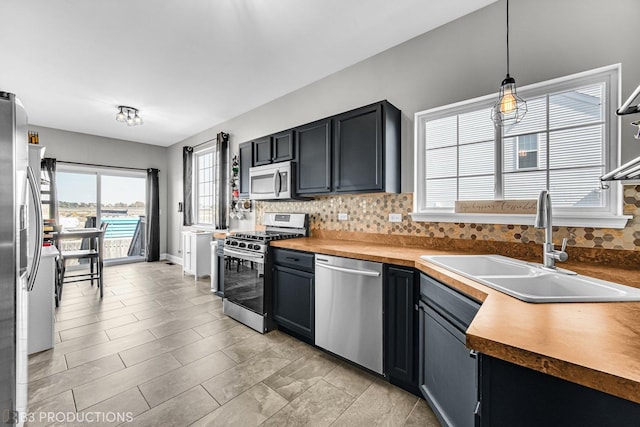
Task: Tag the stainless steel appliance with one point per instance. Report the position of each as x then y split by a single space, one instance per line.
272 182
20 254
248 296
348 311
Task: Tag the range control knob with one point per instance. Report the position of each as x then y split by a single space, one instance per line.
242 245
234 243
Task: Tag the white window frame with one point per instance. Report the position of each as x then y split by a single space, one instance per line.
196 188
611 216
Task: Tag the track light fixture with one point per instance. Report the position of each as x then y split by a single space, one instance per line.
128 115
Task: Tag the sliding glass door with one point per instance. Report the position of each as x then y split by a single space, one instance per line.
88 197
122 206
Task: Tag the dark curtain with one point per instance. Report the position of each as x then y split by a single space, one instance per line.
187 185
221 154
152 243
48 165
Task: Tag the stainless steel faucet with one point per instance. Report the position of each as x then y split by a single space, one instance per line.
543 220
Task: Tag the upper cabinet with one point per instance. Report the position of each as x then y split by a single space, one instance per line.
313 145
245 157
273 149
366 150
262 151
354 152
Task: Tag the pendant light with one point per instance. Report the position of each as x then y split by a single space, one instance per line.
510 108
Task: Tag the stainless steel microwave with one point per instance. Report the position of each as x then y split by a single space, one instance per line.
272 182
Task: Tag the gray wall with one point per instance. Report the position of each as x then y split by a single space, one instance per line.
458 61
82 148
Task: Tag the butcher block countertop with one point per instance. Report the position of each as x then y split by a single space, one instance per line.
593 344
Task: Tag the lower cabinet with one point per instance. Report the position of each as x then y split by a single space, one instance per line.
293 293
448 373
196 253
401 327
512 395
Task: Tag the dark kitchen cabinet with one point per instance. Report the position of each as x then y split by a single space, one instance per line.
313 148
245 157
293 292
353 152
366 149
282 146
401 325
512 395
448 371
274 148
262 151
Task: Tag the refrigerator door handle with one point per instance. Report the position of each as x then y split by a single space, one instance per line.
34 186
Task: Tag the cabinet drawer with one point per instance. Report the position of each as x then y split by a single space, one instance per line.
458 308
293 259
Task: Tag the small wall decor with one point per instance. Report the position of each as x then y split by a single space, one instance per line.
235 210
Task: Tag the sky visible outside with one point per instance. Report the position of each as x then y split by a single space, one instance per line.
81 187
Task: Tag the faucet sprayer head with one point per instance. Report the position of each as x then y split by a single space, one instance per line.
541 210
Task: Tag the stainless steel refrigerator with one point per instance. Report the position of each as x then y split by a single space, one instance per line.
20 247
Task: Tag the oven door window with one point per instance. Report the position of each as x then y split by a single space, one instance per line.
244 283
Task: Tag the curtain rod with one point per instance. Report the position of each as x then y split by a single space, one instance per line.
102 166
205 142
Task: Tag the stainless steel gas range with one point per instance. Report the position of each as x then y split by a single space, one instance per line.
248 296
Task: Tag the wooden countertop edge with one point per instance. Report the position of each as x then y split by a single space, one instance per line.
606 382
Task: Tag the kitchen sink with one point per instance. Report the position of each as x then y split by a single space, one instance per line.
530 282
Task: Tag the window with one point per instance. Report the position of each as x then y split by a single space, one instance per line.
527 152
206 187
567 140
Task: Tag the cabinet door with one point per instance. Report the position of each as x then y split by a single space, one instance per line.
357 157
262 151
293 306
313 148
245 157
282 146
186 253
402 328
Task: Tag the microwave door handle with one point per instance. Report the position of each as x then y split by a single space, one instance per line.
277 183
37 207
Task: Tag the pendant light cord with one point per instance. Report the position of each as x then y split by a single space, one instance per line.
507 37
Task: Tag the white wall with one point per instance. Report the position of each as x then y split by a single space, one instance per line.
458 61
82 148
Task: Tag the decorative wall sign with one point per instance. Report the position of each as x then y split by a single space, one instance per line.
496 206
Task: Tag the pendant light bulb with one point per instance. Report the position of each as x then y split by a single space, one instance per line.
508 100
129 120
137 120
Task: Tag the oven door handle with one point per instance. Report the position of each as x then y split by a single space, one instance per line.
244 255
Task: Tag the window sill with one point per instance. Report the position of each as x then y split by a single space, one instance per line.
596 221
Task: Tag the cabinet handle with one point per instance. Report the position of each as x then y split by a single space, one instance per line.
292 258
473 354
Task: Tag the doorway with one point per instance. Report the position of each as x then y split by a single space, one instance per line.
86 198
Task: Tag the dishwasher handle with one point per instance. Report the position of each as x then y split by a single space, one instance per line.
369 273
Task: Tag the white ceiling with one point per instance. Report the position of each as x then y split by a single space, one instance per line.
189 65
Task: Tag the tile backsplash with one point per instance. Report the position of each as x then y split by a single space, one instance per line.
369 213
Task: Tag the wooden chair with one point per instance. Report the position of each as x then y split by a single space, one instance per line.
92 254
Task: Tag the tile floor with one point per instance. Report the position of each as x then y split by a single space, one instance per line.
157 350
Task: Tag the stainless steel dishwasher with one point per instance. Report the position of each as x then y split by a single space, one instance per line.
348 309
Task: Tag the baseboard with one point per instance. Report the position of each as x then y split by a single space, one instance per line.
174 259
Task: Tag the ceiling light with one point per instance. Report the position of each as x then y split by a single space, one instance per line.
510 108
128 115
